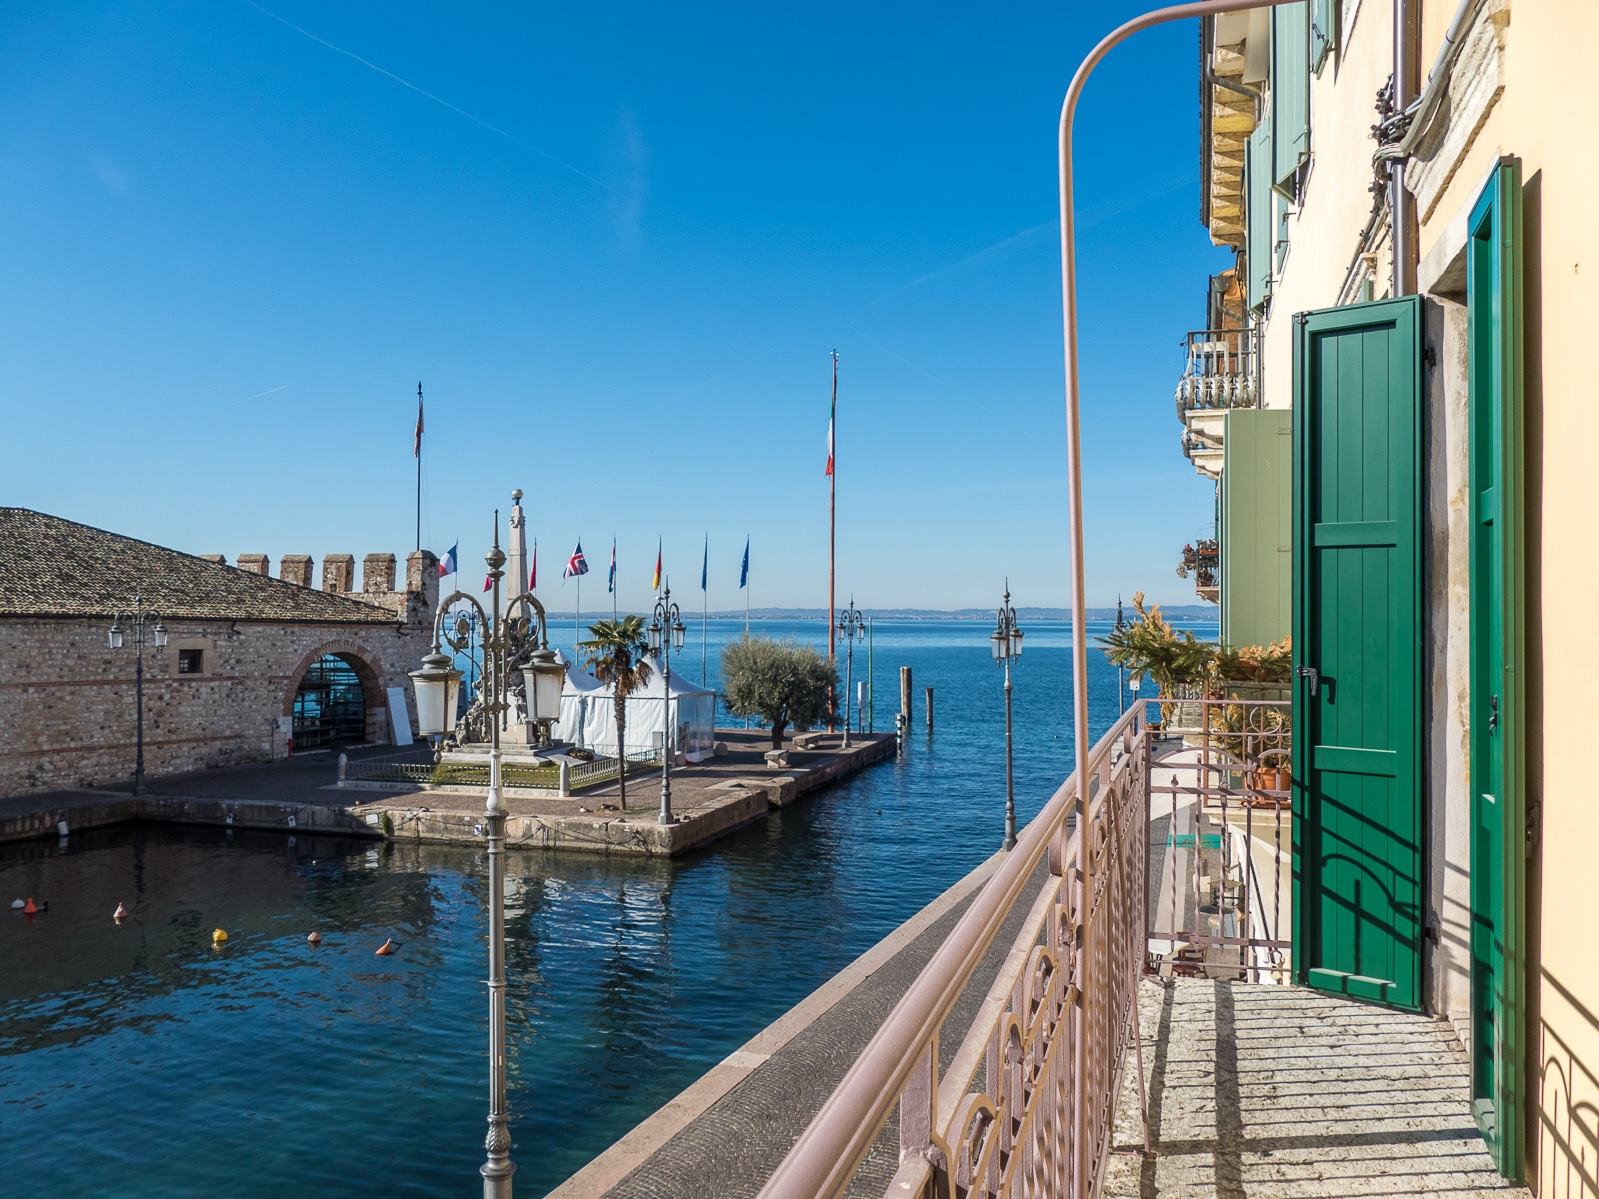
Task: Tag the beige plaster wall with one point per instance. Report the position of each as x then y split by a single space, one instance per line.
1547 114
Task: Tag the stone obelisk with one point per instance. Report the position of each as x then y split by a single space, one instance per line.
515 554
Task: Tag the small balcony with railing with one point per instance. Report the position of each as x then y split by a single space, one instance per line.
1222 373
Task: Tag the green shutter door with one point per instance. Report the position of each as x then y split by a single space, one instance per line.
1493 301
1357 603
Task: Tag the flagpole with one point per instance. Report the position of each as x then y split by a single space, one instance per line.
832 521
419 464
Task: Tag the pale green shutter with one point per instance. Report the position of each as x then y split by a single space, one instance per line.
1290 93
1256 523
1259 226
1323 31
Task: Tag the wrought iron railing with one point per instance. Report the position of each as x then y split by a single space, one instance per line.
1221 839
1223 371
419 768
1026 1106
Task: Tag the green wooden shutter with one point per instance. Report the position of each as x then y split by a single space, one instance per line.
1290 93
1359 893
1323 32
1499 825
1256 489
1259 221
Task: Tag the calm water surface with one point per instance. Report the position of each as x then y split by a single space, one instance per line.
137 1060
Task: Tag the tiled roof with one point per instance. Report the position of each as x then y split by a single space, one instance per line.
55 567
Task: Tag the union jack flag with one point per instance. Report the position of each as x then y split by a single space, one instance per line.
576 564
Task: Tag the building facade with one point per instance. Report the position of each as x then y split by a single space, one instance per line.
1409 188
253 666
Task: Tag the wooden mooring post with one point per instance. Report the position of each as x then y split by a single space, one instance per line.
904 720
929 709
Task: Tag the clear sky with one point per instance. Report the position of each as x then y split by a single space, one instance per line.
616 244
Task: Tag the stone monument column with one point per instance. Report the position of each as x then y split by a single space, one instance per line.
515 554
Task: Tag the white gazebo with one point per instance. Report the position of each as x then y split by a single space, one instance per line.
689 712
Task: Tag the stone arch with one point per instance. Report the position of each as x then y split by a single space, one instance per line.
367 669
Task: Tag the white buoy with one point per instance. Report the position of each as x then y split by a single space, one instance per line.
61 828
17 903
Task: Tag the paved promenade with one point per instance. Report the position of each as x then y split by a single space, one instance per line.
302 794
1288 1093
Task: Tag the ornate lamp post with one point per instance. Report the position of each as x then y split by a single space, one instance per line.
156 636
852 625
509 643
1006 642
665 635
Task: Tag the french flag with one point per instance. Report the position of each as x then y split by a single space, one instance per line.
447 563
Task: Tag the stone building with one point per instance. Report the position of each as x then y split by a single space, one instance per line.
254 666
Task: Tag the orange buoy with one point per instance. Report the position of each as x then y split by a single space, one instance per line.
30 909
315 938
387 947
120 914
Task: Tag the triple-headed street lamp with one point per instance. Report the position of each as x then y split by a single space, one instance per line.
852 625
665 635
157 636
1006 642
512 642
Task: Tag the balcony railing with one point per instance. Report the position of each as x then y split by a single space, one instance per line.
1186 876
1026 1105
1223 371
417 768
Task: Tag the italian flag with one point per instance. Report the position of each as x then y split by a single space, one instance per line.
830 418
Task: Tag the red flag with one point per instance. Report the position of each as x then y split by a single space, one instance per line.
533 579
416 451
488 582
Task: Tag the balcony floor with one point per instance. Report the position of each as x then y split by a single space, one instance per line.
1259 1090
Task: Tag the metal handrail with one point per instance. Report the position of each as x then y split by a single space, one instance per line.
1222 370
899 1064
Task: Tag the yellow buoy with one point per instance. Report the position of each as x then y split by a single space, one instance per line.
219 936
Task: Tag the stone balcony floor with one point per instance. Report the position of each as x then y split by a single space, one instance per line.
1258 1090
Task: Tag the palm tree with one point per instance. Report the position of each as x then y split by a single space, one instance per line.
617 655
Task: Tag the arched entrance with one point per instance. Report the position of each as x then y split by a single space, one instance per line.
329 705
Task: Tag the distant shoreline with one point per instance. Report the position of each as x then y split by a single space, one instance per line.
1188 612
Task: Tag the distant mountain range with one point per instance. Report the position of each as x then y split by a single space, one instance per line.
1185 612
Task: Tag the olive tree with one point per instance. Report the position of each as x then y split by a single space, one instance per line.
780 682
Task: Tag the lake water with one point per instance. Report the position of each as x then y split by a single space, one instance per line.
137 1060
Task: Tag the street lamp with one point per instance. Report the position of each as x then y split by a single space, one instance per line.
517 640
157 637
666 635
852 625
1006 642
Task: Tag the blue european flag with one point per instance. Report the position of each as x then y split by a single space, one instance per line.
744 575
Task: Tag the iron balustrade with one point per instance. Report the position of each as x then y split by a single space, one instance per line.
1221 829
1222 371
1026 1107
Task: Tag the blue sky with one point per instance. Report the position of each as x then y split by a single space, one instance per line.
616 244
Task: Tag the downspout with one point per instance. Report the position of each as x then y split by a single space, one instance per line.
1401 205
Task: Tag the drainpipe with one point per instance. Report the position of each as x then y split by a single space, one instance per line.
1401 205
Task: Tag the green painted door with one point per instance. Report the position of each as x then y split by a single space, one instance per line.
1357 651
1498 820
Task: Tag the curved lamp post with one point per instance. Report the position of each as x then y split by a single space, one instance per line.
1006 642
666 635
157 637
509 643
852 625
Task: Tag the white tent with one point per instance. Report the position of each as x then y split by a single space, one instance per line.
580 693
691 716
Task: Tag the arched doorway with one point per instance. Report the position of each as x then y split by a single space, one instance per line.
329 705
